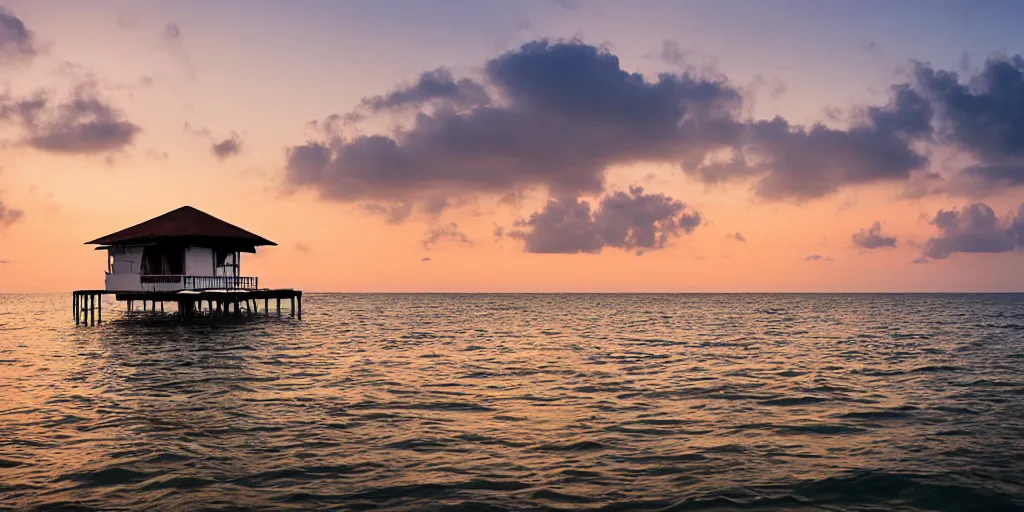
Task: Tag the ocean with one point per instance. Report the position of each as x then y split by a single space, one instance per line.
521 402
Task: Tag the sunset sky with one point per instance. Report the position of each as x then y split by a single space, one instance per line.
548 145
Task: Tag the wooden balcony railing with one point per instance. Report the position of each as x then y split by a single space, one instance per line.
204 282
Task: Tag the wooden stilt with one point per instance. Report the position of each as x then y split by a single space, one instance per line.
74 302
291 309
299 298
279 306
99 308
92 309
266 307
161 306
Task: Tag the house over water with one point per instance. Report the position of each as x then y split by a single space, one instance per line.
185 249
185 256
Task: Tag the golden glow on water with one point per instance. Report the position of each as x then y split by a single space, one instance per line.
572 401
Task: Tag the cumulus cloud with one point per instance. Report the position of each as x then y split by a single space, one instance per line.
975 229
872 238
632 221
558 115
228 147
9 216
17 42
81 124
447 233
983 116
798 163
438 84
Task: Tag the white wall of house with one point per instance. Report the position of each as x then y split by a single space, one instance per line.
198 261
124 274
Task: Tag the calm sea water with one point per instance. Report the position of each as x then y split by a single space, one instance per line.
522 402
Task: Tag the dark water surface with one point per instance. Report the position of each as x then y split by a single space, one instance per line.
522 402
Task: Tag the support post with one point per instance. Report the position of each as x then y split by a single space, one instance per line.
161 306
266 306
291 303
279 306
74 305
92 309
99 308
299 299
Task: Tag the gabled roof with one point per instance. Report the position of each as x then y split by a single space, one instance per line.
184 224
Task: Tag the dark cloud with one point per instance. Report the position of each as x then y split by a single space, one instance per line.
872 238
9 215
975 229
171 32
737 236
632 221
16 41
984 116
228 147
82 124
446 233
818 257
799 163
438 84
498 232
560 114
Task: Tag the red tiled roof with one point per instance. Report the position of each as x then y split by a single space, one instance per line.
184 223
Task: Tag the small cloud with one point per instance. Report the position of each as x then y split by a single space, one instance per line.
920 260
302 248
157 155
9 216
975 228
449 232
228 147
425 259
499 232
872 238
17 42
171 32
83 124
198 132
737 236
818 257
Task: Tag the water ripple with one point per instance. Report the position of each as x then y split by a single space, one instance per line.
521 402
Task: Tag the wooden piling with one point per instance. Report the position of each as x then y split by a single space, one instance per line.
99 308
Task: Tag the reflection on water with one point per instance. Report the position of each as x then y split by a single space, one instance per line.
612 402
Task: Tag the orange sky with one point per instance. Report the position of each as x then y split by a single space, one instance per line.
223 78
